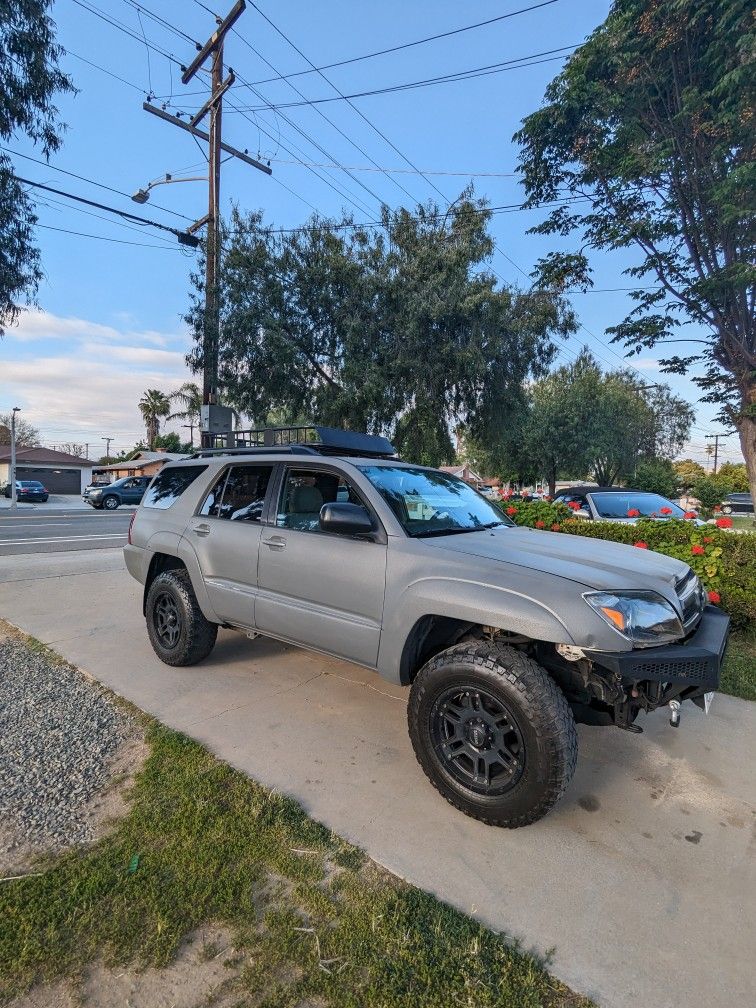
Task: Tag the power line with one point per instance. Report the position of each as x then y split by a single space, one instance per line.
400 171
115 23
119 241
82 178
462 75
409 45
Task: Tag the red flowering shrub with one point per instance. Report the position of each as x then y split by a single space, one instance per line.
714 597
633 513
690 514
540 524
697 550
665 510
641 545
556 527
707 539
573 505
511 510
724 522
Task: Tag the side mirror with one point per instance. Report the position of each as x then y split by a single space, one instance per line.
345 519
582 513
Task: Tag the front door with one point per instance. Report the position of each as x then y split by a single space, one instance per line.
225 534
317 589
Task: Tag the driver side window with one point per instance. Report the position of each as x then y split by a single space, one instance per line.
303 494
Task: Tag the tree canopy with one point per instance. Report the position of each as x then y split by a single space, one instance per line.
398 330
30 80
27 436
645 142
154 406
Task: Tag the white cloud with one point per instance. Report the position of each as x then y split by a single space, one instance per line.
34 325
645 363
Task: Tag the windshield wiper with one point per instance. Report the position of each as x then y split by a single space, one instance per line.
453 531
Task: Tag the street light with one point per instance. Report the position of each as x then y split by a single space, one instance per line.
142 195
14 494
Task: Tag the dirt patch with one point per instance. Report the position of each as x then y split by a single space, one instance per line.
202 974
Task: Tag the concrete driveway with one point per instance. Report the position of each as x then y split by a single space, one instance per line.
642 880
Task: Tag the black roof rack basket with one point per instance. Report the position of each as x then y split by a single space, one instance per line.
309 439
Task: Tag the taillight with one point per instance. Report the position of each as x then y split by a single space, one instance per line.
131 525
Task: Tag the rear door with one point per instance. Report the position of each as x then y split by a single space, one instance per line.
225 534
317 589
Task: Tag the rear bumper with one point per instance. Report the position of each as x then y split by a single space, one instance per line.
694 664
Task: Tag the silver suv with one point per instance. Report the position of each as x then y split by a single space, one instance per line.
507 636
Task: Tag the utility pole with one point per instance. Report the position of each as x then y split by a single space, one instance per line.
215 418
14 493
107 441
715 438
190 427
86 451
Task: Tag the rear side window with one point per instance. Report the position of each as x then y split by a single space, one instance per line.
169 484
239 494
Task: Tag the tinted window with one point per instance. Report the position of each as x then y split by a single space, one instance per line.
211 503
244 493
304 493
619 504
169 484
429 502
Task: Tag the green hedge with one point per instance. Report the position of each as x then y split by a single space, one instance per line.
724 560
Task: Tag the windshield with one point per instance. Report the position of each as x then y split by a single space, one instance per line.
428 502
619 505
29 483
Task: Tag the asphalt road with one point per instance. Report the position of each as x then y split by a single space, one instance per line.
642 879
54 531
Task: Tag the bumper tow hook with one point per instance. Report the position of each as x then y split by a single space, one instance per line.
674 715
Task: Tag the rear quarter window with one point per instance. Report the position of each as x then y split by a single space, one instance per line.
169 484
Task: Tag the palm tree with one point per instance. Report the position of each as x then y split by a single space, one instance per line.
190 397
153 406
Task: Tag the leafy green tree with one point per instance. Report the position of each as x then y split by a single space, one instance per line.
688 472
656 476
30 80
27 436
154 406
645 142
711 490
736 474
170 442
398 331
189 398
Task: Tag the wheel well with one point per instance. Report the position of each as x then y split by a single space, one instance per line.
428 636
160 563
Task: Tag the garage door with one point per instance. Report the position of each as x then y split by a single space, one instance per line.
57 481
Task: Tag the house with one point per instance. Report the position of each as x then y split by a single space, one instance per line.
144 463
463 472
60 472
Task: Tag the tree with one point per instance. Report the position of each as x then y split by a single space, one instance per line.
688 472
189 395
72 448
656 476
31 78
711 490
153 406
648 133
584 422
736 474
171 442
26 435
401 332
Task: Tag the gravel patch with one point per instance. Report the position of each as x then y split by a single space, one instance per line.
59 737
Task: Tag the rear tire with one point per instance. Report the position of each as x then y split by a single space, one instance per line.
493 733
178 631
727 509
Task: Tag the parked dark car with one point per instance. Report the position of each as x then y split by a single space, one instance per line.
737 503
28 490
128 490
620 504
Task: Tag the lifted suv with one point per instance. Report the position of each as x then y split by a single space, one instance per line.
507 636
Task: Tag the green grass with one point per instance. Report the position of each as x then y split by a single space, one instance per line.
744 522
739 670
202 843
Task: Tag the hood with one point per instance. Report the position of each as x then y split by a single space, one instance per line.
594 563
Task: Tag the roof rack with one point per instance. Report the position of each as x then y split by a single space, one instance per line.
304 440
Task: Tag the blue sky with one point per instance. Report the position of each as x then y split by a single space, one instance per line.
110 320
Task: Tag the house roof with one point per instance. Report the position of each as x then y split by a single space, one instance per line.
43 456
142 459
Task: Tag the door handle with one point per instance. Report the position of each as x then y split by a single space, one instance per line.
276 542
201 530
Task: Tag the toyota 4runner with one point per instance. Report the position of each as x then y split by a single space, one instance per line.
506 636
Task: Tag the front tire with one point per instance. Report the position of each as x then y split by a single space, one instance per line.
178 631
493 733
110 503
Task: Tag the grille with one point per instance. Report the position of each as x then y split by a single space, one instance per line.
691 601
696 669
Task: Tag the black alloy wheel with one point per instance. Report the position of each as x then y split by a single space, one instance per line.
168 624
477 740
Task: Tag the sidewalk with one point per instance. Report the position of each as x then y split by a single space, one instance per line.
641 879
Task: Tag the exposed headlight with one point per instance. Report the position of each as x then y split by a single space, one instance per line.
95 493
645 618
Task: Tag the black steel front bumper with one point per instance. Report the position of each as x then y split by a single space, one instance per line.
693 665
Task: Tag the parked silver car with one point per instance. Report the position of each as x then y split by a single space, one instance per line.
507 636
621 504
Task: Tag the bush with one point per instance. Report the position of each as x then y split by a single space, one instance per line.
725 561
657 476
711 490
